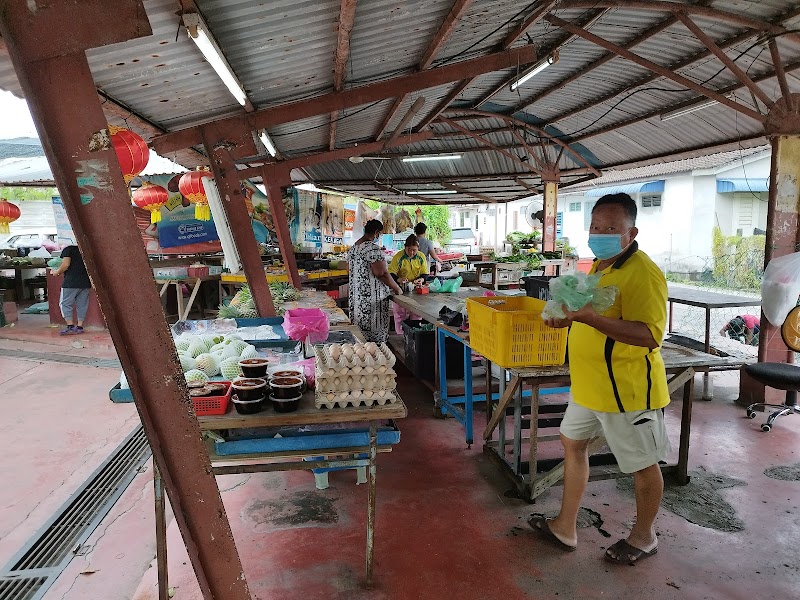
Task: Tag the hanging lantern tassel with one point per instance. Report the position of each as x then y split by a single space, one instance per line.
8 214
151 197
191 186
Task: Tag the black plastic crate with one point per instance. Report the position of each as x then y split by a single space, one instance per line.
421 355
538 286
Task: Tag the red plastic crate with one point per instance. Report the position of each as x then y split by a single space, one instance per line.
197 271
333 294
213 405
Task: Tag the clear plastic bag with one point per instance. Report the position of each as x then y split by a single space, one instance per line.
780 287
576 290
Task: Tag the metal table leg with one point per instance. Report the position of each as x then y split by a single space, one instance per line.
161 534
682 474
517 455
468 394
501 426
708 388
371 493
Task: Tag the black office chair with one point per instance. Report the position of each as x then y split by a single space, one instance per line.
780 376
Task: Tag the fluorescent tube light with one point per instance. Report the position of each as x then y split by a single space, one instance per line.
679 112
432 192
533 71
432 157
267 141
200 35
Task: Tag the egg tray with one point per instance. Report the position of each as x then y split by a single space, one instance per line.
341 383
326 362
355 399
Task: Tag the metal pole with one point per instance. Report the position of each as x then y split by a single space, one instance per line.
48 48
371 497
161 535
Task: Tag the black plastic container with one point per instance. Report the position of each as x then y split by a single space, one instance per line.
254 367
248 407
538 286
421 352
285 405
248 389
286 388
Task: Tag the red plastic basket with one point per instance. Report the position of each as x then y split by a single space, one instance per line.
213 405
197 271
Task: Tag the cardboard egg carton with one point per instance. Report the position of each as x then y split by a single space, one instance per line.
339 357
354 398
370 378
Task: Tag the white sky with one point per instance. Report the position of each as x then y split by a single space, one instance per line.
15 118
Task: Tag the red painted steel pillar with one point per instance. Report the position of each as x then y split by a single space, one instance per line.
549 227
275 180
219 148
783 233
47 42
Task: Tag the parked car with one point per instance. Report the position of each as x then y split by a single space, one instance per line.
23 243
463 239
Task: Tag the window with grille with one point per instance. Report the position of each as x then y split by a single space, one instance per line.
574 207
559 224
651 200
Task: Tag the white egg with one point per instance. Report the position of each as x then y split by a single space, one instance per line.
347 351
335 352
361 353
371 347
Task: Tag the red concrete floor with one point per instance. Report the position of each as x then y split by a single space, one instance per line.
446 529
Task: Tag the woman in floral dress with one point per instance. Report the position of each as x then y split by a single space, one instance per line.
370 285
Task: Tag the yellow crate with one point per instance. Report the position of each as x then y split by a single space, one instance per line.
510 332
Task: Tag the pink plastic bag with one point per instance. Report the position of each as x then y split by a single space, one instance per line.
309 370
302 323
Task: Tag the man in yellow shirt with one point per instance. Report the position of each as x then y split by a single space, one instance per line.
619 384
407 265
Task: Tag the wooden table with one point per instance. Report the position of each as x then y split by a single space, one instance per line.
183 311
533 476
459 406
708 301
19 285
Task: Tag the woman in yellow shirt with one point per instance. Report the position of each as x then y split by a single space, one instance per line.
407 265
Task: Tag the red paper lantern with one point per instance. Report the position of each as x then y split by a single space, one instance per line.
151 197
8 214
132 151
191 186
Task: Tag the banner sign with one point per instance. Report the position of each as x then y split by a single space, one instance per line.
349 219
66 237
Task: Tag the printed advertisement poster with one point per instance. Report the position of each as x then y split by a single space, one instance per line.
178 232
333 219
349 219
66 237
263 225
306 227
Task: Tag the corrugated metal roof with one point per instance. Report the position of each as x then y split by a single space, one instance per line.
283 51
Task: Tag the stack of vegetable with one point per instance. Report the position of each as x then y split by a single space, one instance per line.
205 356
532 261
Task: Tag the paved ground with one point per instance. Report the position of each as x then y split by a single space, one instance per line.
446 527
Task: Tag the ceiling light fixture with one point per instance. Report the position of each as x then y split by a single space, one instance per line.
432 192
534 70
679 112
201 35
268 143
432 157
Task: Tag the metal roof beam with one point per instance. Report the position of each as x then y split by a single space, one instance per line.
714 14
437 43
340 154
655 68
350 98
347 17
450 179
466 192
528 22
733 41
724 58
780 73
664 109
586 21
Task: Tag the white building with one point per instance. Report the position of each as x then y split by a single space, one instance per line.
679 205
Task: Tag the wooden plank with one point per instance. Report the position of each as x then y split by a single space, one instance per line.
306 414
557 473
502 404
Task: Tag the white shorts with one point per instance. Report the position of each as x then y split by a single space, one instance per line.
638 439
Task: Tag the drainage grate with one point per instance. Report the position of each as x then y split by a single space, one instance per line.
30 573
107 363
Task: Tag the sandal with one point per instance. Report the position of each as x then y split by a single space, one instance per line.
625 554
539 523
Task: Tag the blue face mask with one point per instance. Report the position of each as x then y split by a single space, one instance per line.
605 245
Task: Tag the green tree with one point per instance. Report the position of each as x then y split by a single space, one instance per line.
21 194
